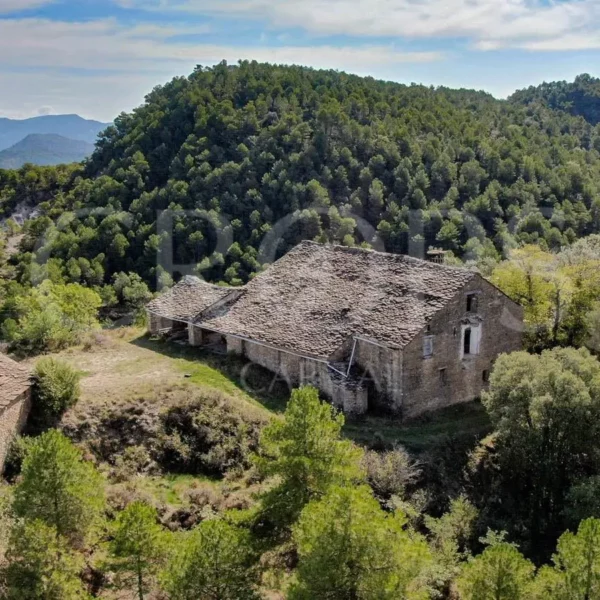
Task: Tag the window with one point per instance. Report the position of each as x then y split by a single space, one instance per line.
443 376
467 341
485 376
427 346
471 303
470 340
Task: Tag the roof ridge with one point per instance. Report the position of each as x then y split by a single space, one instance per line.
403 257
194 280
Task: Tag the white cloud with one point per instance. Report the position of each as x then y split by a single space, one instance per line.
9 6
489 24
101 67
106 45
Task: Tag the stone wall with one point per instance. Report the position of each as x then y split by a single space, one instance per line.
195 337
384 367
235 345
12 421
157 324
447 377
352 399
297 371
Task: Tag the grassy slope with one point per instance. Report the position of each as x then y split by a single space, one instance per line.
125 363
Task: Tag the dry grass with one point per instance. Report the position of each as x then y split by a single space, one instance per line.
115 366
122 369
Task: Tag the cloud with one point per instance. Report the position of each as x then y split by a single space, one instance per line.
11 6
44 110
101 67
488 24
107 45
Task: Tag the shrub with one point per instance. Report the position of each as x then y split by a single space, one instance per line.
134 460
51 317
206 436
56 388
16 455
205 494
390 473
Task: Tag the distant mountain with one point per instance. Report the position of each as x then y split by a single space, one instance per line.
69 126
44 149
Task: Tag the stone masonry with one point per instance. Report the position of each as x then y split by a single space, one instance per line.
15 402
373 331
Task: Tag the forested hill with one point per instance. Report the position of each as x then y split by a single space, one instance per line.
580 98
245 146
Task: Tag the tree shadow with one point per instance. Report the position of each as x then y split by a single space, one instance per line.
260 384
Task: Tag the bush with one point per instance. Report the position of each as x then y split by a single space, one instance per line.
133 461
50 317
206 436
390 473
56 388
17 451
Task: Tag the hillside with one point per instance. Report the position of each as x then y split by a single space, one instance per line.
252 149
152 468
580 98
71 126
44 149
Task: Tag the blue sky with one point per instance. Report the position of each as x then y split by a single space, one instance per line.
99 57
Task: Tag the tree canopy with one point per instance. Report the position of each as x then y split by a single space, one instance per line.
239 154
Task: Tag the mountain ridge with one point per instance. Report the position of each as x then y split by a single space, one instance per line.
44 149
70 126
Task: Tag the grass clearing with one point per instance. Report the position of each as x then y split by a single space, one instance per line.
463 420
125 363
231 375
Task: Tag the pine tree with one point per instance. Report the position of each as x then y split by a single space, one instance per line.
59 488
138 547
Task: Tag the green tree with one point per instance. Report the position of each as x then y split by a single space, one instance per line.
41 565
56 387
350 548
524 278
59 488
131 290
449 539
501 572
213 562
545 410
576 572
304 450
138 547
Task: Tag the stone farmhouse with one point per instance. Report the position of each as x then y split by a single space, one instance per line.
373 331
15 402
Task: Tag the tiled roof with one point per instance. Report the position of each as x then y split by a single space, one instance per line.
316 297
14 380
187 299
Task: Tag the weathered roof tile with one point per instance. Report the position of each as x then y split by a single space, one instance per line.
316 297
187 299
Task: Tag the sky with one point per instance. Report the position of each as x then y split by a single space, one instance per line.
98 58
